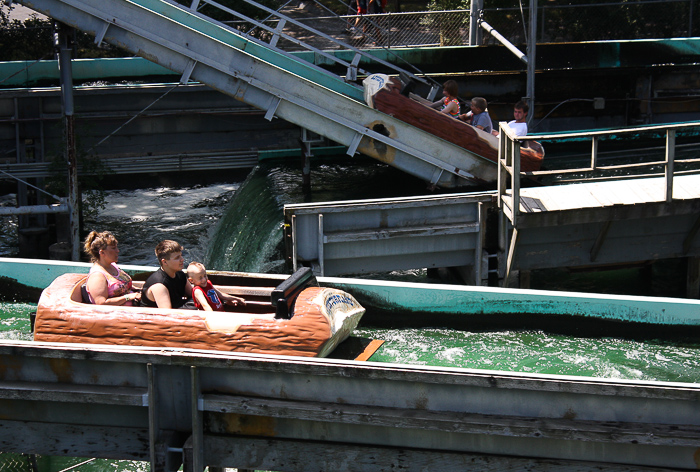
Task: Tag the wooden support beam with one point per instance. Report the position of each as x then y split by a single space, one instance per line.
280 454
688 241
602 234
454 422
511 255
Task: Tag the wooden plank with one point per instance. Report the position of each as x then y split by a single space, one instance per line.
580 196
621 193
531 205
598 191
369 351
459 422
282 454
543 194
58 392
686 188
647 191
109 442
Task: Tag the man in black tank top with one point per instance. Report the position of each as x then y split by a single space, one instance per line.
167 287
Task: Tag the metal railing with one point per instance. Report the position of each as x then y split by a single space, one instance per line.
284 33
509 160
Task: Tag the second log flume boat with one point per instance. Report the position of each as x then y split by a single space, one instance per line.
390 100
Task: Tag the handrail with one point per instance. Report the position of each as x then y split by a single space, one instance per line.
509 159
288 20
606 132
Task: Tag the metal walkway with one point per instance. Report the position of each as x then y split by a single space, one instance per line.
263 76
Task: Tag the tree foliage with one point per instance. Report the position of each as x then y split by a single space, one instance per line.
32 39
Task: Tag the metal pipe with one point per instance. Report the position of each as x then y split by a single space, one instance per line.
65 66
34 209
531 44
511 47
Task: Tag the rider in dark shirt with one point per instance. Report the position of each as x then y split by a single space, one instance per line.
168 287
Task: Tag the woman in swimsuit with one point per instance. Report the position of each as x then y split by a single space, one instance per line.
107 284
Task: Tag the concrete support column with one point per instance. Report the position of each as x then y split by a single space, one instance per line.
475 8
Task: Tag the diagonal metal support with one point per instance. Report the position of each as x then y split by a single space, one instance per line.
602 234
274 103
187 72
351 74
278 31
511 255
688 241
100 36
352 148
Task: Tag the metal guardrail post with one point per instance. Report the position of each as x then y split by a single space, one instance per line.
670 155
152 416
197 423
502 187
320 244
594 152
294 243
508 165
514 153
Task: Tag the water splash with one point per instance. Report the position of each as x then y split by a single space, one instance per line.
249 232
539 352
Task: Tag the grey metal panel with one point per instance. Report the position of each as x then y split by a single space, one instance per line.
342 407
626 241
382 235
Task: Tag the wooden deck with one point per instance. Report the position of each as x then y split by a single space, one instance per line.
611 223
601 201
606 194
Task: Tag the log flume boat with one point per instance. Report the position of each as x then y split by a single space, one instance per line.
389 99
298 318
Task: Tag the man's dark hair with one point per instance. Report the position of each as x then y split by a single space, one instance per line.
522 105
